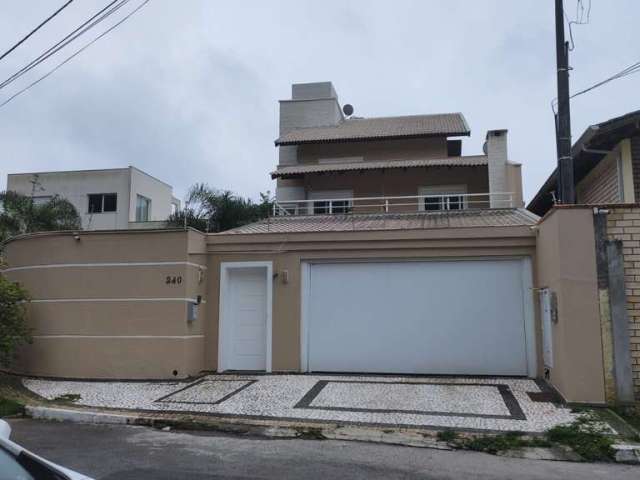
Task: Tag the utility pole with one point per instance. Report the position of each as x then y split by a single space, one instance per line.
566 187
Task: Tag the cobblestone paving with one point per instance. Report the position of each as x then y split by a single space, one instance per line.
430 402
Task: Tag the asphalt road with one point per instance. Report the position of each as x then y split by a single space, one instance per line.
123 453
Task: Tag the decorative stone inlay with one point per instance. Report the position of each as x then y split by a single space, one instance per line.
452 399
476 404
207 391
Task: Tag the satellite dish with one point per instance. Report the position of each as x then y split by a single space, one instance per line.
348 109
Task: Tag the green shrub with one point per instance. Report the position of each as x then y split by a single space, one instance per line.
586 438
10 407
13 328
446 435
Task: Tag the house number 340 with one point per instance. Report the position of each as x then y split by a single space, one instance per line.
172 280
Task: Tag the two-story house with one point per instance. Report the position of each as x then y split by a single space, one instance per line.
387 251
332 164
115 198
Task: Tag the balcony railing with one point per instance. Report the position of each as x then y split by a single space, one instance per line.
398 204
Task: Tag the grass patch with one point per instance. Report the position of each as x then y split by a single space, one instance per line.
585 437
502 443
68 398
446 436
10 407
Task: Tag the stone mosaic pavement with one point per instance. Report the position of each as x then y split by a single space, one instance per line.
488 404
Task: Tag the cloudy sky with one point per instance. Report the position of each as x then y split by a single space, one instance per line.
188 90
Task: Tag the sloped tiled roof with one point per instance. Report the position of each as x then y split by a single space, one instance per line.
467 161
508 217
356 129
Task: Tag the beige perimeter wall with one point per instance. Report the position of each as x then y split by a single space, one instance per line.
111 304
287 252
567 266
102 307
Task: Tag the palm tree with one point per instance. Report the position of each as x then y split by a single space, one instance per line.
20 214
211 210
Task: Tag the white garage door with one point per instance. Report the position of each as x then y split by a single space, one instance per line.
438 317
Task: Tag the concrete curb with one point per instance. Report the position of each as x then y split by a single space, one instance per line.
264 429
625 453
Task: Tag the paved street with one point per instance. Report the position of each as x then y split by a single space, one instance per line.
119 452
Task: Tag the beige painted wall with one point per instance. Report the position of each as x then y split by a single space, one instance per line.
397 182
288 251
101 307
151 338
408 149
566 265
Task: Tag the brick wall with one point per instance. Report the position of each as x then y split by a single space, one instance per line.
623 223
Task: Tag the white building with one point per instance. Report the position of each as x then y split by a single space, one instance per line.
116 198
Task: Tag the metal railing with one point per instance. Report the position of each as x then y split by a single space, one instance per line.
394 204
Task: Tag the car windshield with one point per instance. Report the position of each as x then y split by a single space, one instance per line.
26 467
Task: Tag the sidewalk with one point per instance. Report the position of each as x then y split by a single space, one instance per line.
423 403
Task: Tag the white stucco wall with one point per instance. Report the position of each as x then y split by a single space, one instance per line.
76 186
157 191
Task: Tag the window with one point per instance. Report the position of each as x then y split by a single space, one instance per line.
41 199
103 202
442 198
143 208
331 206
325 204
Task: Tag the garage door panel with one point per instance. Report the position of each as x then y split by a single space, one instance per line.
458 317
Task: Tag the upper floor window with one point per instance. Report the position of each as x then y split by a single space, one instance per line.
446 197
331 202
103 202
143 208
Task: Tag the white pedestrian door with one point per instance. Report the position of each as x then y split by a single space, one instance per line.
245 322
438 317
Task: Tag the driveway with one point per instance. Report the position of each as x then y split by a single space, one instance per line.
475 404
109 452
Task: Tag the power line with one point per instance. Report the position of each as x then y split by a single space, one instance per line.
581 12
77 52
35 30
76 33
630 70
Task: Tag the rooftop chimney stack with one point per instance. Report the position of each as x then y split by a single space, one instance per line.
311 105
497 157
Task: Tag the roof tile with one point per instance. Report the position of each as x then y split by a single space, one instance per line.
354 129
510 217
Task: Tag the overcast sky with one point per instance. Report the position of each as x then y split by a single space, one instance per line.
187 90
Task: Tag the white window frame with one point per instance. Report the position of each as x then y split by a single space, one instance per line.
444 190
328 195
102 195
138 196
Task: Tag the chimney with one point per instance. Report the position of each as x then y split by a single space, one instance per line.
496 151
311 105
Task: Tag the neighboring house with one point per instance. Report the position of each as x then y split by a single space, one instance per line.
116 198
332 164
606 165
589 261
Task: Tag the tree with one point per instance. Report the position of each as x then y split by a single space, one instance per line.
211 210
20 214
13 328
